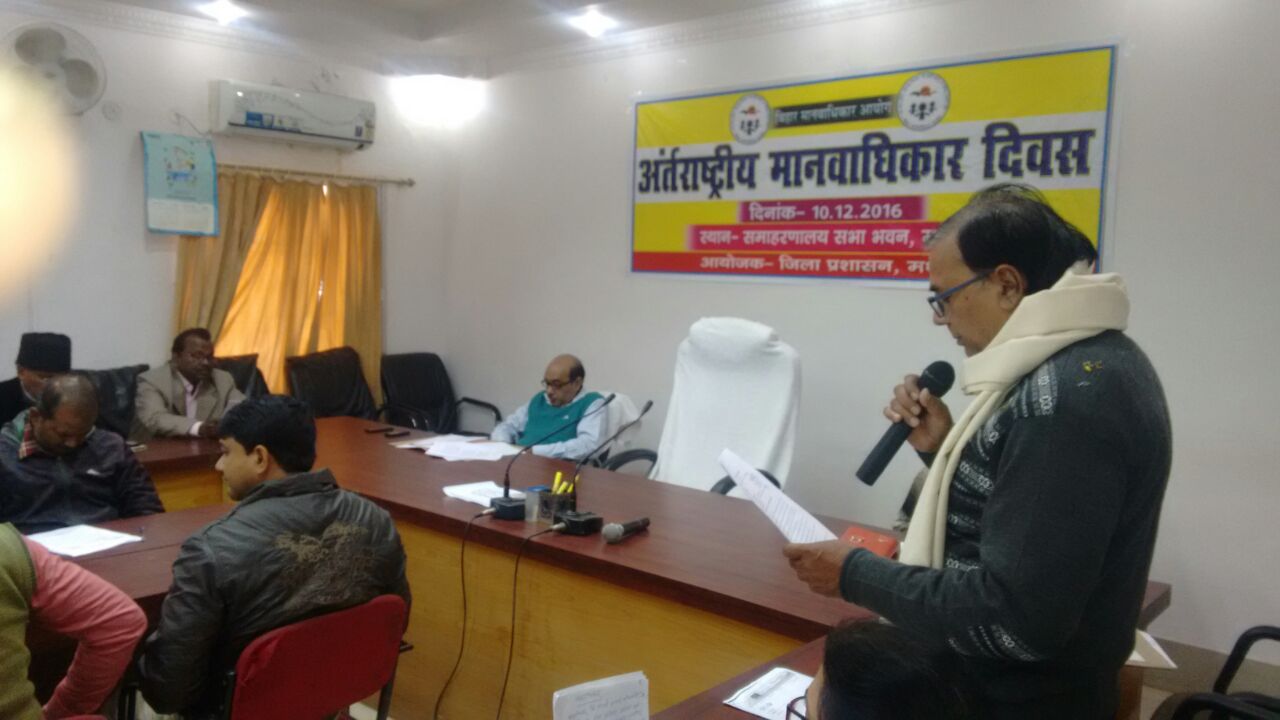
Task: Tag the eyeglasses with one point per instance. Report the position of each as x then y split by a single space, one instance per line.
796 709
556 384
938 301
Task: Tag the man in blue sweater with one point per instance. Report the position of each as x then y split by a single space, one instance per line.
562 402
1028 550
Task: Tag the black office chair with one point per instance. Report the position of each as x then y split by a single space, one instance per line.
332 383
117 389
626 457
1221 703
419 394
244 369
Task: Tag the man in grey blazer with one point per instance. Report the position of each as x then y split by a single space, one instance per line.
186 396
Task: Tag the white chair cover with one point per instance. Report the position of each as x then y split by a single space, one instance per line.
736 386
620 412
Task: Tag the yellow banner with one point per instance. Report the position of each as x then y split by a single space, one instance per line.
849 177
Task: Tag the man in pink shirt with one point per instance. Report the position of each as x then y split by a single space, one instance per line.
39 587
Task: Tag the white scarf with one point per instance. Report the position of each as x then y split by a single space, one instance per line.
1077 307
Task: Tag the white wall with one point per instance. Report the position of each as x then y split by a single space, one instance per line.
111 287
538 261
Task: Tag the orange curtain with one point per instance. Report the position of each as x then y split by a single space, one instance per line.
209 267
312 280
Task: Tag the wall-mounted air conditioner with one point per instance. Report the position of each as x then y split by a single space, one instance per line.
277 113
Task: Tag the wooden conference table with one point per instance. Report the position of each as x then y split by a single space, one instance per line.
701 597
182 469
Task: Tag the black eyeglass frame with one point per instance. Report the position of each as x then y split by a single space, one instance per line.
938 301
792 712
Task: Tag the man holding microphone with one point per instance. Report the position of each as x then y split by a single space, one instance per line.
1029 547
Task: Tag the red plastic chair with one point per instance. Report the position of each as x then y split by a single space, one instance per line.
312 669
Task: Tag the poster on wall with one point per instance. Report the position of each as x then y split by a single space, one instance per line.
848 178
181 184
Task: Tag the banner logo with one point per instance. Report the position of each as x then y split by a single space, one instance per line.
749 120
923 101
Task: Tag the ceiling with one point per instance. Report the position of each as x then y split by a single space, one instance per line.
460 37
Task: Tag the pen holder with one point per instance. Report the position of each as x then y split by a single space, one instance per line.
550 505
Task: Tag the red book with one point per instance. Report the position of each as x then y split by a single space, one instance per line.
878 543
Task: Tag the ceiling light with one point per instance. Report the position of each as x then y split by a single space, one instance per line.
224 11
593 23
438 101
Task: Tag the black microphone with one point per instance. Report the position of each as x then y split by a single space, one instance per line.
937 379
509 509
603 445
615 533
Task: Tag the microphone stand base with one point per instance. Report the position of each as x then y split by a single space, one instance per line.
507 508
579 523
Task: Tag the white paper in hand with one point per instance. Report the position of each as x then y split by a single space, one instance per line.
796 524
621 697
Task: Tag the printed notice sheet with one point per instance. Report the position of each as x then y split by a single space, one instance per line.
768 695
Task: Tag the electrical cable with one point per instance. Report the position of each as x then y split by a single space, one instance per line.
511 647
462 642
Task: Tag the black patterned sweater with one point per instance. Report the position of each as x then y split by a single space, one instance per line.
1051 523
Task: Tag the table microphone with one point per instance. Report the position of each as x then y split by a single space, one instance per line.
937 379
579 522
615 533
506 508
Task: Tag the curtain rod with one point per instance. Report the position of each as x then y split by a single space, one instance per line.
406 182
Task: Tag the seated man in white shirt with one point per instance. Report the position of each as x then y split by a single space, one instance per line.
186 396
562 402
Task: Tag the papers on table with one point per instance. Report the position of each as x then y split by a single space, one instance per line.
426 442
621 697
460 447
796 524
80 540
485 450
768 695
479 493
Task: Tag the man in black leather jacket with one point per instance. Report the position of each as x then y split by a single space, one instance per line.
296 546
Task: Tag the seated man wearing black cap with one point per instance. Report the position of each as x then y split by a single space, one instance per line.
57 470
40 357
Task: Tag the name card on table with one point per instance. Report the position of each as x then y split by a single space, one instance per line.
621 697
